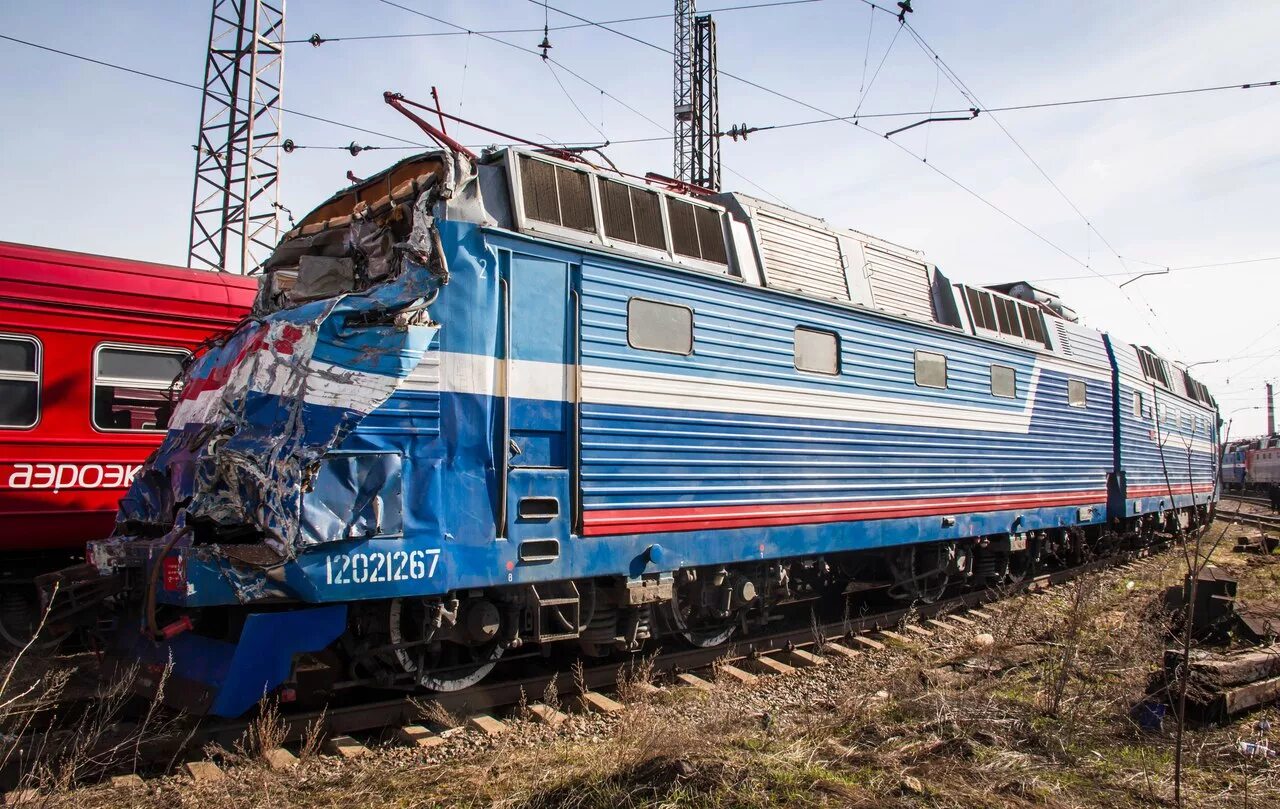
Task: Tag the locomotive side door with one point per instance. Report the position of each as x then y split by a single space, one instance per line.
540 387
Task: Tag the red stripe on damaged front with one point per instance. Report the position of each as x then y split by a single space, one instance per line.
693 518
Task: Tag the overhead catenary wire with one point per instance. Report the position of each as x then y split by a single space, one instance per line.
589 83
317 40
1187 268
523 49
862 97
198 88
752 130
1018 107
568 96
972 97
846 119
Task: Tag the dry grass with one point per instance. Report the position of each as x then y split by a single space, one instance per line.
631 677
1038 718
55 737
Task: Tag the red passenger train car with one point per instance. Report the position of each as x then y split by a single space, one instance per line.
89 348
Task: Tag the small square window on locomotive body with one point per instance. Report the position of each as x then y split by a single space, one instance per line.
20 366
931 370
1137 404
1004 382
657 326
817 351
131 386
1077 393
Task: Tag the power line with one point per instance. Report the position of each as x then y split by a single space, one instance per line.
523 49
972 97
1186 268
845 119
317 40
198 88
1017 107
593 85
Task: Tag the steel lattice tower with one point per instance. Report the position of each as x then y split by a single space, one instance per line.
697 105
233 206
705 168
684 89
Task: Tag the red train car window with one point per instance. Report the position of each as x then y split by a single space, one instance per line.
131 386
19 381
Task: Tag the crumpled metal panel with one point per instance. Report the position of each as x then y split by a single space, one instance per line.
250 452
258 413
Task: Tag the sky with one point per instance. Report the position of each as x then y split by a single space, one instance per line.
101 161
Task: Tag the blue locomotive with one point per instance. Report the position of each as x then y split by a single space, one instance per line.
520 400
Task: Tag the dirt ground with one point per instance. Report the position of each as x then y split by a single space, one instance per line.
1029 708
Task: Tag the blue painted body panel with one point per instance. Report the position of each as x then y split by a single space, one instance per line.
729 442
1167 444
238 675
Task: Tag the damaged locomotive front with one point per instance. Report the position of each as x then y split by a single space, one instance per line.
282 476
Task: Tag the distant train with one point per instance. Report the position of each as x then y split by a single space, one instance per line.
89 349
1251 464
521 401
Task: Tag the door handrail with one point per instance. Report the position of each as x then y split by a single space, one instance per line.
505 451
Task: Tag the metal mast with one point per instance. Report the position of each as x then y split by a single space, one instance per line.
697 105
233 206
684 89
705 170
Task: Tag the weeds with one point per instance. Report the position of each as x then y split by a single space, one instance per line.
313 736
638 672
52 740
436 714
580 688
551 694
265 733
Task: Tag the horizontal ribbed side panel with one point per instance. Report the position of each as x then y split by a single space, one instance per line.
1172 454
414 409
682 449
800 258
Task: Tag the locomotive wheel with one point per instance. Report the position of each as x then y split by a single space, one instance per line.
20 618
685 620
920 572
441 665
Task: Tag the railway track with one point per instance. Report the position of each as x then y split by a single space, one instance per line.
780 651
1256 500
1264 521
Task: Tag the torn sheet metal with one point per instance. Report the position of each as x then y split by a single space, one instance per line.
253 449
258 413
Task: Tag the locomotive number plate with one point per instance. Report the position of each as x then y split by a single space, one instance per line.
380 566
